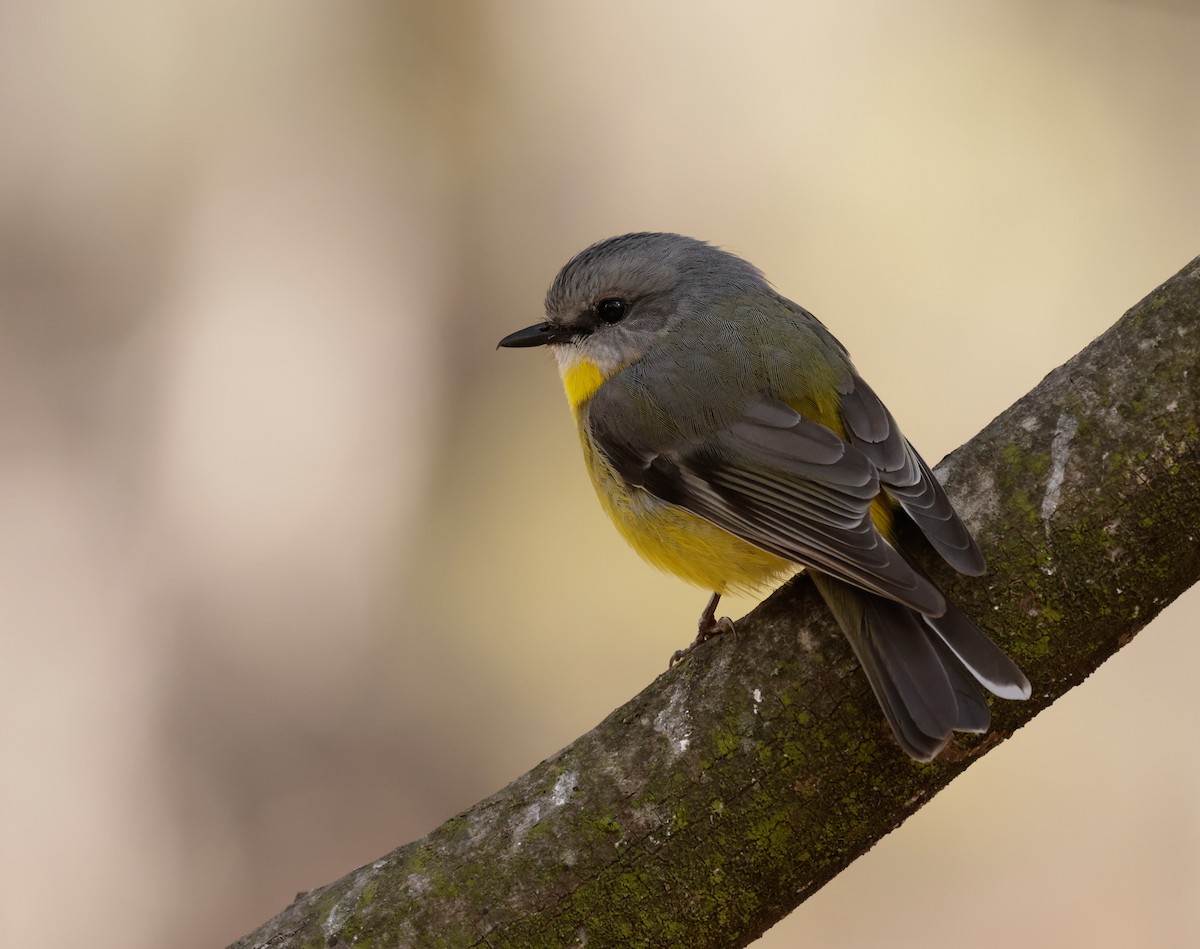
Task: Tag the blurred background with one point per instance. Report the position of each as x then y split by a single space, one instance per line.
289 554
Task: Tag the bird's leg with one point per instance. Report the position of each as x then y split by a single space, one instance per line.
709 627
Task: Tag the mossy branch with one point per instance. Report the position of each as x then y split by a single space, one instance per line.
741 781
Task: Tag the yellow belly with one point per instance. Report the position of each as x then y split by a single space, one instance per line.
671 538
678 541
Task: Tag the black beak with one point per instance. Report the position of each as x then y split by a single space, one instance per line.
540 334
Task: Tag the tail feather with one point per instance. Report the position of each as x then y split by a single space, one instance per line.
926 672
973 712
981 657
894 639
912 739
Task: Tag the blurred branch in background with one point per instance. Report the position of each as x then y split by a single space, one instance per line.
735 786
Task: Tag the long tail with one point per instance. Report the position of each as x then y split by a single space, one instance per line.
926 671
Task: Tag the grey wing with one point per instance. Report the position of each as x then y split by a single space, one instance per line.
785 484
904 475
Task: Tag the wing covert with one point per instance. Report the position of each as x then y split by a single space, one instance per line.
784 483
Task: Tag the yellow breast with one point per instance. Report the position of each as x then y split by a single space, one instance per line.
581 381
667 536
676 540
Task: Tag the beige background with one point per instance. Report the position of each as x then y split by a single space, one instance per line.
294 565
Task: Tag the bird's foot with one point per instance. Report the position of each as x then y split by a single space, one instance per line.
708 627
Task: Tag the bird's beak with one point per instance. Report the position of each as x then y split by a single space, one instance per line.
540 334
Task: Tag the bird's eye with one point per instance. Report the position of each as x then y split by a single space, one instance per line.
611 310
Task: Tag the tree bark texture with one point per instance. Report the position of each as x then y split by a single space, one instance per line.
738 783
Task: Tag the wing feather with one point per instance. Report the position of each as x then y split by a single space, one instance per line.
787 485
905 476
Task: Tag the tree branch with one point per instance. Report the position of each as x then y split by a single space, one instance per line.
741 781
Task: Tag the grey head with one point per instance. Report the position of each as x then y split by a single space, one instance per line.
611 301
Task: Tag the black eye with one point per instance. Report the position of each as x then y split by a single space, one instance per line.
611 310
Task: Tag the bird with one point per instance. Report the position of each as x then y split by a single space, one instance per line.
732 442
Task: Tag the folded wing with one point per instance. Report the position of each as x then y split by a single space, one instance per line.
788 485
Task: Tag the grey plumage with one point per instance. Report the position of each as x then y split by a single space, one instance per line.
726 400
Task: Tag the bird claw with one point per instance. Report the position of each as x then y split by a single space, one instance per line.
709 627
